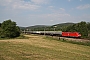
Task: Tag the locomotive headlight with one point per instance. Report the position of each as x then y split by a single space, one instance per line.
79 35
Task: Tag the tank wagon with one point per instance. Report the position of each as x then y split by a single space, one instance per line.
47 32
57 33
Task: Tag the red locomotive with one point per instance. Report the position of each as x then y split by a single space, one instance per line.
71 34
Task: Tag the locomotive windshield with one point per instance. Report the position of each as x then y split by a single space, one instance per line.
78 32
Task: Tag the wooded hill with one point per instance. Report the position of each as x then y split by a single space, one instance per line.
57 27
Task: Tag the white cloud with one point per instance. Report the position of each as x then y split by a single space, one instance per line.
52 17
22 4
84 6
40 1
25 6
84 17
80 0
69 0
51 6
51 20
62 9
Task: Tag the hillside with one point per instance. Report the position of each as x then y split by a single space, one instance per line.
42 27
63 24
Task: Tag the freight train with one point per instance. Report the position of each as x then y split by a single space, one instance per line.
57 33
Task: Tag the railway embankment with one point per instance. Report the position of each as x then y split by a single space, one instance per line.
76 39
70 40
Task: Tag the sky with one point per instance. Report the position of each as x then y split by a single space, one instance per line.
44 12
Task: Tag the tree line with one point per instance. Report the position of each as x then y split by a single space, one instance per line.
8 29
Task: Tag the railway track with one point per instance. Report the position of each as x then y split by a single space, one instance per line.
68 38
75 39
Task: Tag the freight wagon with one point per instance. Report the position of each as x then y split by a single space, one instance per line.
47 32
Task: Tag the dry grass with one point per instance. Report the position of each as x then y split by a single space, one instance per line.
37 48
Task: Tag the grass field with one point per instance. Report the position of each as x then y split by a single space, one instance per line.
38 48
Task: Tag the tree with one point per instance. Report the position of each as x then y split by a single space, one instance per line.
9 29
82 28
0 29
0 24
88 26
